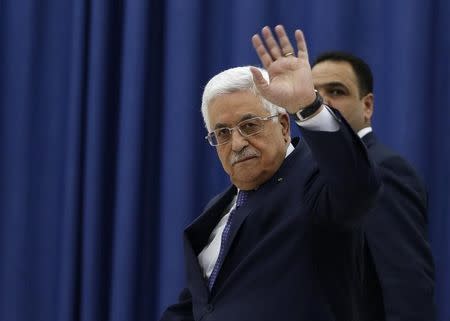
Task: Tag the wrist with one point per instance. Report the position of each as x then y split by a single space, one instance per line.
310 110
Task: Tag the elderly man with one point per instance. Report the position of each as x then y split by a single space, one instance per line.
399 261
283 242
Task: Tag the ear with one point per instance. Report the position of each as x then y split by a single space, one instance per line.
285 126
368 101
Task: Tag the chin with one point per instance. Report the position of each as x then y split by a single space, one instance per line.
247 180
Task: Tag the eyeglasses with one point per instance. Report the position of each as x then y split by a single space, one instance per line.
246 128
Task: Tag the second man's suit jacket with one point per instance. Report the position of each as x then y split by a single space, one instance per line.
400 265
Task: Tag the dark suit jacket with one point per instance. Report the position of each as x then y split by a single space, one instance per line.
396 235
294 247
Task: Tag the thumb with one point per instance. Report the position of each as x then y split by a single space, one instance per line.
260 82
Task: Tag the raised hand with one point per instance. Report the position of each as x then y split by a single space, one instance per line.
291 84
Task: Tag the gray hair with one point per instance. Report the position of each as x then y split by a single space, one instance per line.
233 80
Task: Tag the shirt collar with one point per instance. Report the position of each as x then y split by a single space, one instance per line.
289 150
363 132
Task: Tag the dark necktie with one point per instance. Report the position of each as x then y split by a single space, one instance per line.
241 199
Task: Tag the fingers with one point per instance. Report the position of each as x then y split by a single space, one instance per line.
285 43
261 51
270 49
271 43
301 45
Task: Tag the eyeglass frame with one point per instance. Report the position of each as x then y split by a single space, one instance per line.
207 137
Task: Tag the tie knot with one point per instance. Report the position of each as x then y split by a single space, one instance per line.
241 198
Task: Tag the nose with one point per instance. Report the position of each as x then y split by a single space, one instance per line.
238 142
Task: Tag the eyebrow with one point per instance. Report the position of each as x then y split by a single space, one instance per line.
245 117
331 84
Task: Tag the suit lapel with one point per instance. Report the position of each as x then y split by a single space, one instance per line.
196 236
199 231
195 280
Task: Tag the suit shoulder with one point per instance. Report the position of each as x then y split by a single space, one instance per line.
395 167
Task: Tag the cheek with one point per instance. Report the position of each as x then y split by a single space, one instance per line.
271 154
223 154
343 106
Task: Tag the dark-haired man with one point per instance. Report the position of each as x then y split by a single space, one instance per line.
399 264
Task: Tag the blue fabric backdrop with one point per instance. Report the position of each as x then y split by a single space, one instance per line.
103 161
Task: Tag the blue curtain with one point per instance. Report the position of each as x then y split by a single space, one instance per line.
103 161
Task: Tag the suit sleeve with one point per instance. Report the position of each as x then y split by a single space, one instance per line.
346 183
396 232
181 311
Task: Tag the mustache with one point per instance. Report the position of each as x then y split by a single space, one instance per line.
243 154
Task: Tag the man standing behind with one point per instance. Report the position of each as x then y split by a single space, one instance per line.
399 258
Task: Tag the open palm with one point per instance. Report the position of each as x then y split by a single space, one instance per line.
290 84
